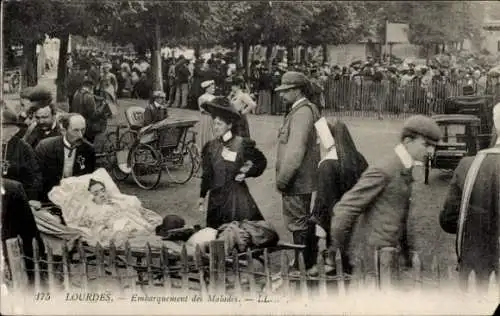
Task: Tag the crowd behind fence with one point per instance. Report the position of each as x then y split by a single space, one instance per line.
365 97
151 270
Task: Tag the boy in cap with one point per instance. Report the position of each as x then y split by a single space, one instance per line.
471 212
382 194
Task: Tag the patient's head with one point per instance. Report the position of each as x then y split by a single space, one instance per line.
98 191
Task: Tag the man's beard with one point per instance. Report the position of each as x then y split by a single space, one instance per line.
45 126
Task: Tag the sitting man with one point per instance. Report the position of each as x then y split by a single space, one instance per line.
65 156
156 110
92 203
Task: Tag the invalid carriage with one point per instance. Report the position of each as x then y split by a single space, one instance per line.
466 126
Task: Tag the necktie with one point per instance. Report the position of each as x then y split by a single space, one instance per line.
71 149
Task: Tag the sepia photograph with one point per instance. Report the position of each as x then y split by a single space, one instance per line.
250 157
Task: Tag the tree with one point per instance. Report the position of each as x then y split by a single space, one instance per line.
27 24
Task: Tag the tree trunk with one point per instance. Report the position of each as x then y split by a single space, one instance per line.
156 57
197 50
324 48
289 54
269 55
29 68
246 64
303 55
62 71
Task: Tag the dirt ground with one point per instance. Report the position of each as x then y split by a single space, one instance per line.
374 138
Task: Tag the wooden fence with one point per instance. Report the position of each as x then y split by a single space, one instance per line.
144 270
366 98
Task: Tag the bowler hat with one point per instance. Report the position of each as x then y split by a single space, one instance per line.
292 79
423 126
220 106
170 222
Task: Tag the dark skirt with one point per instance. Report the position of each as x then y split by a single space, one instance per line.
232 202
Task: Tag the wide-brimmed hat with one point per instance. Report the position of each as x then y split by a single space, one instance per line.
292 79
424 126
170 222
220 106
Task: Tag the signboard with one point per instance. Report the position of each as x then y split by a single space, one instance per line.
398 33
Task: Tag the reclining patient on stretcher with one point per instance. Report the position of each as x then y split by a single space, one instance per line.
94 204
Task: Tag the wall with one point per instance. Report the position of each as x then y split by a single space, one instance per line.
345 54
490 42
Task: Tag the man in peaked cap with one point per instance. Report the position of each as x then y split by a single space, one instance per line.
382 195
298 157
471 212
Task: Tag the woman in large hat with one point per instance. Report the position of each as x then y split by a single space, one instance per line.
243 103
206 124
227 161
18 158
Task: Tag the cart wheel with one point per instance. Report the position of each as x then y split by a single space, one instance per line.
110 146
127 140
180 166
145 162
427 168
196 156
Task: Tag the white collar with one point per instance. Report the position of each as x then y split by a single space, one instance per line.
330 155
227 136
404 156
66 143
297 102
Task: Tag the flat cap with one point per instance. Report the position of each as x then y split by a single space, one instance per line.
41 95
423 126
158 94
292 79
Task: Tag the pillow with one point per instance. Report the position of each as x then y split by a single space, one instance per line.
73 192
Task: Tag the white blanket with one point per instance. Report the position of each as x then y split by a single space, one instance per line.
121 219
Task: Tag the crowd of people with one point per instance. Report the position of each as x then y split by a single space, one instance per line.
42 157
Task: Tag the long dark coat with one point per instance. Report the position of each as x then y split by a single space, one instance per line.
22 166
18 220
480 249
230 200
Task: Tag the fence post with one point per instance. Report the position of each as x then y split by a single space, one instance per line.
417 271
16 264
217 266
164 262
236 271
436 271
303 276
267 270
65 264
323 292
388 267
83 263
50 269
251 270
340 272
284 274
131 275
184 269
36 265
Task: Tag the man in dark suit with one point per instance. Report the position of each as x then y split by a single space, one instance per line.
472 211
18 220
45 117
298 156
65 156
383 193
